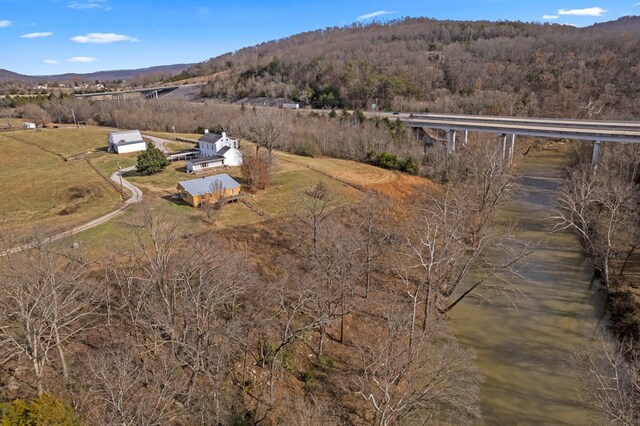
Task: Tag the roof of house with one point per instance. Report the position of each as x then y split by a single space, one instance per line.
202 160
223 150
210 137
205 185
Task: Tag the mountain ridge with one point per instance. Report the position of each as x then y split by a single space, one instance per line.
123 74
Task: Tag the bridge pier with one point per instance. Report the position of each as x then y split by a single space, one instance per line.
512 146
506 146
451 141
465 137
596 154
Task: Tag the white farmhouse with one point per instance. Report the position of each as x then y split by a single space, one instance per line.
127 141
220 145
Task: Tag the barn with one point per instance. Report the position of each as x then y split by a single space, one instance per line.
126 141
209 189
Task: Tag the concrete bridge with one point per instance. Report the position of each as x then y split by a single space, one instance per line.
507 128
147 92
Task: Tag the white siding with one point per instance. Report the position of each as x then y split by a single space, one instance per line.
233 157
134 147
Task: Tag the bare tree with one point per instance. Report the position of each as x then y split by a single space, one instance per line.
256 171
311 208
267 128
132 390
372 236
611 379
602 208
45 303
35 113
433 379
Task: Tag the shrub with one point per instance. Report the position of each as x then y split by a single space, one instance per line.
256 170
151 161
43 410
390 161
306 149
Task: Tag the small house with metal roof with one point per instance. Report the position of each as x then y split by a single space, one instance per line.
126 141
207 189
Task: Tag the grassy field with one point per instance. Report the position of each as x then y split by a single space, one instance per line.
170 135
41 190
58 194
11 123
67 142
178 146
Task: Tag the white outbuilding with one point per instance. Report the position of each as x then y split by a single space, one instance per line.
126 141
28 125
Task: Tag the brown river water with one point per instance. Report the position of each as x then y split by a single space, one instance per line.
523 351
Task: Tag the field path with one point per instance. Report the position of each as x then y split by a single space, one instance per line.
136 197
158 142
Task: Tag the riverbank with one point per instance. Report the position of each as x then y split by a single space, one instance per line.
524 343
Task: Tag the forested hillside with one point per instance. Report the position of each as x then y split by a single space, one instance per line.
507 68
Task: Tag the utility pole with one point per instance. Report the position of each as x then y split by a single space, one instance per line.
74 117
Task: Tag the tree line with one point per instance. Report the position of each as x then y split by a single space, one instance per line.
602 206
419 64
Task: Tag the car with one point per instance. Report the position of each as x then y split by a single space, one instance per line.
396 113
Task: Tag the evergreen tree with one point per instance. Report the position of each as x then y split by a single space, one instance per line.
151 161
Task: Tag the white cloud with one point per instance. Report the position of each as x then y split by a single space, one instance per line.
5 23
550 17
589 11
637 4
50 61
373 15
82 59
102 38
89 4
36 35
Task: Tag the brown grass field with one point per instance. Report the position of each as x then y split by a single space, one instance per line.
50 193
42 191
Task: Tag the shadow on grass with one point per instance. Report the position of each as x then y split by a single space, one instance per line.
175 199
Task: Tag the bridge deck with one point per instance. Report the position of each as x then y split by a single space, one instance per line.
571 129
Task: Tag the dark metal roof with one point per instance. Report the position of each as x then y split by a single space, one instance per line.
210 137
206 159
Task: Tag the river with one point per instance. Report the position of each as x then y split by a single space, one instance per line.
523 351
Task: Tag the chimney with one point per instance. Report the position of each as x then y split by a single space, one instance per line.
224 135
206 131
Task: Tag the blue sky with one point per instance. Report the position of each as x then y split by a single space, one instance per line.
41 37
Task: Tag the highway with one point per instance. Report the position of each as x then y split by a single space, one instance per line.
604 131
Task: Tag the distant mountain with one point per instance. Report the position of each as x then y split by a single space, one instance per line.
622 25
9 76
6 75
